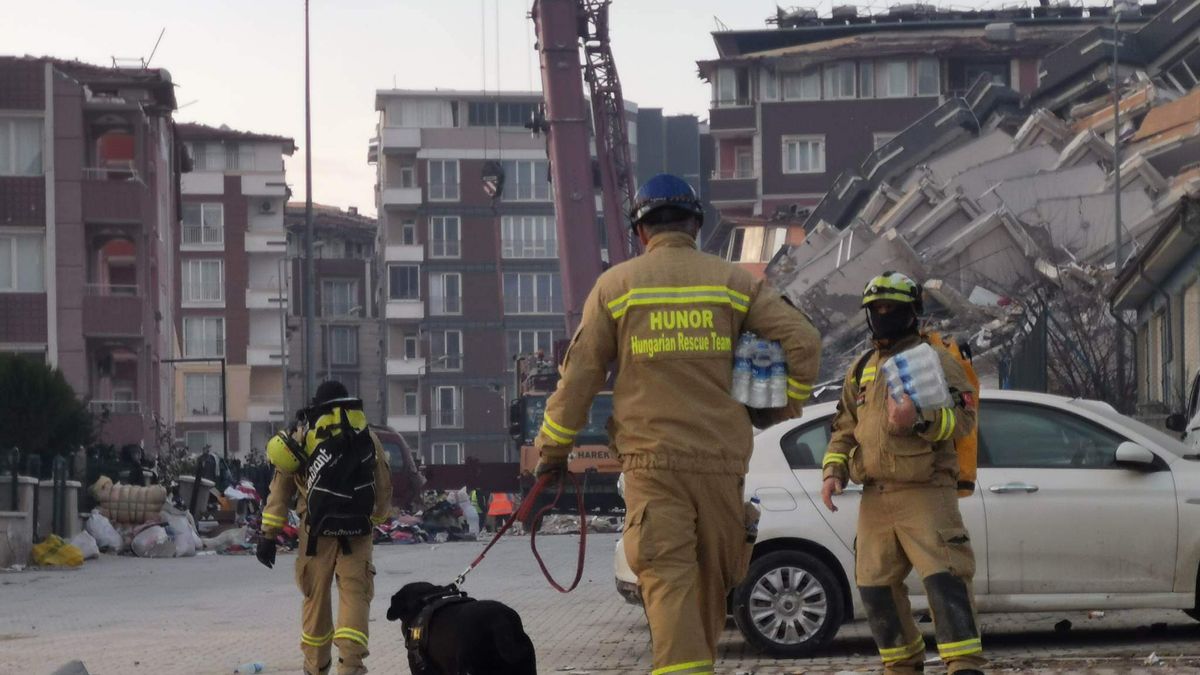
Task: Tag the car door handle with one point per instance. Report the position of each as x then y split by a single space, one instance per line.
1013 487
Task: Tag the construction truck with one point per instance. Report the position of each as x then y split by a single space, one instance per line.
597 466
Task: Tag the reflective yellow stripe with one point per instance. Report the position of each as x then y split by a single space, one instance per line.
558 427
561 440
712 299
682 667
833 457
375 520
941 434
314 641
868 375
972 646
798 390
668 295
799 397
893 654
350 634
271 519
953 423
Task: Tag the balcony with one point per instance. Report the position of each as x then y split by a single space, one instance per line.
405 367
265 298
264 185
404 253
733 189
406 423
112 200
732 118
447 418
112 309
265 409
405 309
266 242
398 196
124 423
203 183
264 355
115 407
399 138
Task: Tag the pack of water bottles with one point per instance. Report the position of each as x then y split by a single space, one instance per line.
759 373
918 373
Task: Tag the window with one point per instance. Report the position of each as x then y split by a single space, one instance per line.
443 180
804 448
515 114
202 394
411 347
522 342
408 176
447 408
893 81
341 346
481 114
929 77
532 293
408 403
20 146
408 233
203 336
526 180
404 282
839 80
204 224
339 297
866 79
882 138
803 154
22 263
804 86
1018 435
446 453
420 113
445 293
768 85
446 350
197 441
444 237
239 157
528 237
774 239
203 281
350 380
743 158
737 240
726 88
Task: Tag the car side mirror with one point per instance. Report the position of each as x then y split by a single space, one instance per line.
1134 456
1176 423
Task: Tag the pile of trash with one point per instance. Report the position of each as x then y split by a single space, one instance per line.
169 533
401 529
563 523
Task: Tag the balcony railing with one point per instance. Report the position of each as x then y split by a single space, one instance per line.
108 290
529 248
203 235
446 418
205 410
212 348
445 248
116 172
115 407
735 174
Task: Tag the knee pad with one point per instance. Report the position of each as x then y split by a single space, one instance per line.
950 602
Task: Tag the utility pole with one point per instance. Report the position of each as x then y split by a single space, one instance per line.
1118 5
309 286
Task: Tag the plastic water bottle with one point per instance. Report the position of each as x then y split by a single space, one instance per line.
918 373
252 667
742 369
760 384
753 514
779 379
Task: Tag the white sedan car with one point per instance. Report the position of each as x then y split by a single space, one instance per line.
1077 508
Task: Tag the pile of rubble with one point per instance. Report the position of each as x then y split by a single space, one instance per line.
1007 209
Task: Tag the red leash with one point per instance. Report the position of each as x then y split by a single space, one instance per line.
523 513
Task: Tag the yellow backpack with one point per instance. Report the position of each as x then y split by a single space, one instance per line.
966 447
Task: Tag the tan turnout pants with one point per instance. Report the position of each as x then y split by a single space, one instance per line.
899 529
355 577
685 540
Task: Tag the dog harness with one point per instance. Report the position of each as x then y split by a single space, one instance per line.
416 639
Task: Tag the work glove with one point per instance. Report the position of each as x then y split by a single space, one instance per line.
553 466
265 552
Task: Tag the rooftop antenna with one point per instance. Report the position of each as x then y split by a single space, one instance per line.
146 63
721 26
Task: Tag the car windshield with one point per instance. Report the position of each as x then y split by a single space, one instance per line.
1166 442
395 455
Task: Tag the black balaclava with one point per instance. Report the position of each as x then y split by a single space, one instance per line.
888 328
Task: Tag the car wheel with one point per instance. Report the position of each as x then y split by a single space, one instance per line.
790 604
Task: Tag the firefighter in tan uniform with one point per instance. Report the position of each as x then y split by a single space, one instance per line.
347 559
909 514
669 320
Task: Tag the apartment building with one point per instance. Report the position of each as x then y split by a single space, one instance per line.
232 281
349 326
796 105
469 281
89 178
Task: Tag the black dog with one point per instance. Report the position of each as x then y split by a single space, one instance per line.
463 636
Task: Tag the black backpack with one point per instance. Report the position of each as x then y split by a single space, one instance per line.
340 477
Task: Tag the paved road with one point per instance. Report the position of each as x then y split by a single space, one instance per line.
207 614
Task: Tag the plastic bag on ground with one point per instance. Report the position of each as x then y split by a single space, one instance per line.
227 541
153 542
107 537
86 543
182 530
559 523
918 373
55 552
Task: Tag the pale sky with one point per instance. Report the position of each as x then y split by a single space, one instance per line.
240 62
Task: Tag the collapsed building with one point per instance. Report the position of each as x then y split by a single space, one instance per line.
1007 207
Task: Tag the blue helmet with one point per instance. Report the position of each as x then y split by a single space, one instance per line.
665 191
